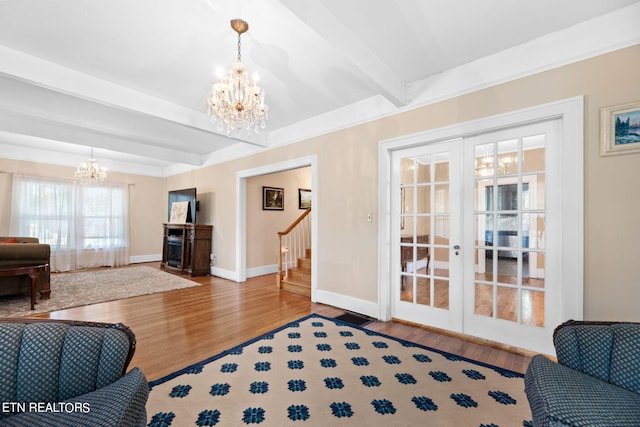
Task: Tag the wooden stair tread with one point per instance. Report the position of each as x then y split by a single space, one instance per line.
298 278
296 286
299 271
302 281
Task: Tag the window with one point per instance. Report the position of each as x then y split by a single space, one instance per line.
86 225
102 220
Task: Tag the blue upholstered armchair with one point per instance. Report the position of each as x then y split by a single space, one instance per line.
66 373
596 381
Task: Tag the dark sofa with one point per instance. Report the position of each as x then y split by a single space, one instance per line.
62 373
596 381
25 251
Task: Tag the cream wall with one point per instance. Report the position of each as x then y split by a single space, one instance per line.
146 204
348 183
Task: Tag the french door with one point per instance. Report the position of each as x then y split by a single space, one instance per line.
475 234
427 225
512 242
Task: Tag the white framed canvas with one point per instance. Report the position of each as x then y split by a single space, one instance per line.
179 211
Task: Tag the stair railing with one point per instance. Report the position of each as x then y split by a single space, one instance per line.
293 243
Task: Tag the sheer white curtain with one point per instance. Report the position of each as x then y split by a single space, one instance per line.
86 225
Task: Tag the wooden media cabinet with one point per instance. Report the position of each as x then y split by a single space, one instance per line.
186 248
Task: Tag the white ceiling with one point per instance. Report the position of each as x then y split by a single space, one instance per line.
130 78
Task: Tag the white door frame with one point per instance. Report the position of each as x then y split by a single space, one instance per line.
571 112
241 212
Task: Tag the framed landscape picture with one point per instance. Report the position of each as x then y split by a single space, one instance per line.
304 198
272 199
620 129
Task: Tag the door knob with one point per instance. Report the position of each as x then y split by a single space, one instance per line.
457 248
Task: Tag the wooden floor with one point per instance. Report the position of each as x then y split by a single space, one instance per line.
177 328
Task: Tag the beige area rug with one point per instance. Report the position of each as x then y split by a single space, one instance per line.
324 372
76 289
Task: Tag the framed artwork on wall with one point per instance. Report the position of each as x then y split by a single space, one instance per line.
304 198
272 199
620 129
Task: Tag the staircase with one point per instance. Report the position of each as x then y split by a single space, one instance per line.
294 257
298 278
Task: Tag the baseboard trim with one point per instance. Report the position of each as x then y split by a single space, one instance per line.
261 271
470 338
136 259
225 274
356 305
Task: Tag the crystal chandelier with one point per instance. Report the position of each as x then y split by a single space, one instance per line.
91 171
237 102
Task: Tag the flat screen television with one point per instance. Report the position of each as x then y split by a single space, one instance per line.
185 195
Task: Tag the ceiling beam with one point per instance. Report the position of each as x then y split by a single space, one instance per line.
35 154
320 19
22 124
42 73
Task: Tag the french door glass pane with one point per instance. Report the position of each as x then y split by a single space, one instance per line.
533 192
441 292
484 300
406 288
484 265
406 228
507 303
533 226
484 229
484 196
507 198
406 171
423 171
484 160
423 229
442 171
423 287
441 224
424 199
533 153
441 199
533 308
507 157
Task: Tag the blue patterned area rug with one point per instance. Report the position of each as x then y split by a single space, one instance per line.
319 371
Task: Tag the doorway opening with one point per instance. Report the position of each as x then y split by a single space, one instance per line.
241 210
